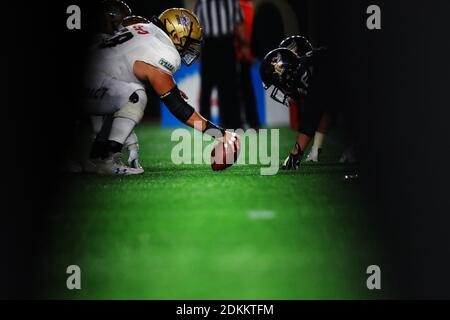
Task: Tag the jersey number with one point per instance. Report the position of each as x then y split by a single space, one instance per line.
139 29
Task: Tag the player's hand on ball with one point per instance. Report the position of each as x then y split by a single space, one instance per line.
230 140
225 153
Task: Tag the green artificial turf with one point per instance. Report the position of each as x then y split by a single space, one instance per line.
186 232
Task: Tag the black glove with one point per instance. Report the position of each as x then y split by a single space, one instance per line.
292 162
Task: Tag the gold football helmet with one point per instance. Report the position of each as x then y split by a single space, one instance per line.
185 31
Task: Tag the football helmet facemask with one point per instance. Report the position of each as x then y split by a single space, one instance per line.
184 29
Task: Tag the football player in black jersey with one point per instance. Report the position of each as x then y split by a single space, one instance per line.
301 46
299 77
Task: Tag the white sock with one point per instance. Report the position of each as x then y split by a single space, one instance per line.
132 140
132 146
121 129
318 140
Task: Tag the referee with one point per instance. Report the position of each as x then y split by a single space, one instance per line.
221 20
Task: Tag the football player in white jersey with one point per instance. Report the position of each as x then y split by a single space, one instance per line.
111 17
139 55
115 16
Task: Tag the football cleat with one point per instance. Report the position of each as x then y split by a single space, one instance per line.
292 162
133 158
114 166
135 164
313 155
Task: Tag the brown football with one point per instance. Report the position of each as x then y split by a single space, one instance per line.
222 158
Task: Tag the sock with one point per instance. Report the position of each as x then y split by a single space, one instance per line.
318 140
133 154
133 148
132 141
113 147
103 149
121 129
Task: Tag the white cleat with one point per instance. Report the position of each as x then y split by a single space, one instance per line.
313 155
113 166
133 160
135 164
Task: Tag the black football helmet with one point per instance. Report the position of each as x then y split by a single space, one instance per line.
113 12
280 70
298 44
130 20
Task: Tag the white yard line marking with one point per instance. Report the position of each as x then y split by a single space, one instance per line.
261 215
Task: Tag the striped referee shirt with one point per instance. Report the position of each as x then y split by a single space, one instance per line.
218 17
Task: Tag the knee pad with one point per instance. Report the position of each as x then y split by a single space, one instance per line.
134 109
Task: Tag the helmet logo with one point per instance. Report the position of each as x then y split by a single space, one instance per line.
186 20
183 20
277 64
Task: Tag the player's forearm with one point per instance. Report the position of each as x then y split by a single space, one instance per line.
186 114
197 122
177 105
